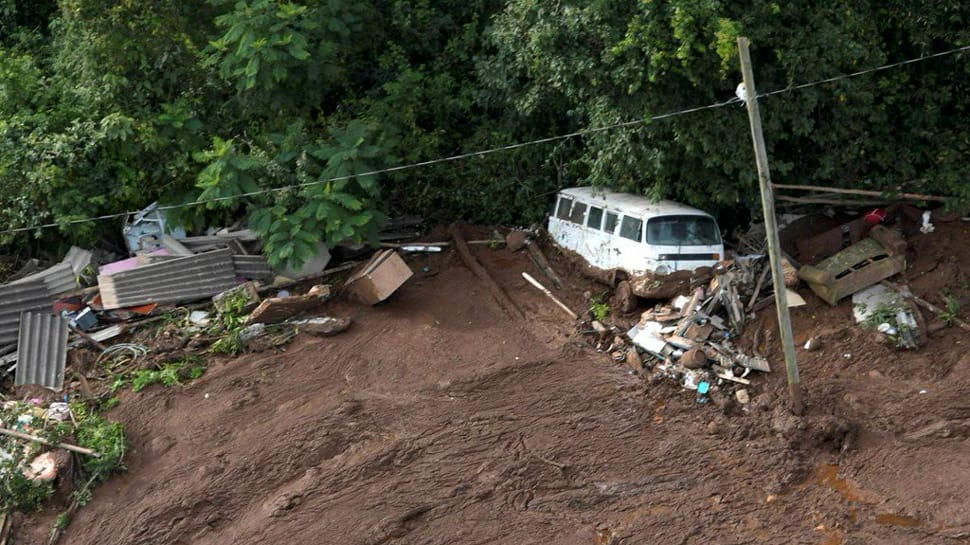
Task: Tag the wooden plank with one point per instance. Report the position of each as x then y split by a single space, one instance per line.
549 294
865 192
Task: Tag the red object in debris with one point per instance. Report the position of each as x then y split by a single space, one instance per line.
71 304
144 310
875 216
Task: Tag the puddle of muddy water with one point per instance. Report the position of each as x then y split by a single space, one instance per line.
828 476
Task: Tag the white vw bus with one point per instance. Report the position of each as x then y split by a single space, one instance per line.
634 234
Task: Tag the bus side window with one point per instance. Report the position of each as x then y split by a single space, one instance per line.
631 228
595 219
579 213
611 221
564 205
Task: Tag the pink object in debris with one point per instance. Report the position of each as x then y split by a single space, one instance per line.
125 264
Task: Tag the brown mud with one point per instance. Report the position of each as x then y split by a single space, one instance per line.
438 419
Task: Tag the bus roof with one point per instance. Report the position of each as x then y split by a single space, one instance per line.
629 204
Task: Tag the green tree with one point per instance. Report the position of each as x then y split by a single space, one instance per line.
607 62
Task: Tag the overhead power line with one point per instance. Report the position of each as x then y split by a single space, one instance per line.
499 149
866 71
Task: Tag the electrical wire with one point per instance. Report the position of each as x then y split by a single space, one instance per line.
499 149
866 71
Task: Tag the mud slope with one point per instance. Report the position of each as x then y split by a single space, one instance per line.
439 419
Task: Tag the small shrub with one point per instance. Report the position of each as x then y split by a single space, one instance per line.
231 344
951 310
599 309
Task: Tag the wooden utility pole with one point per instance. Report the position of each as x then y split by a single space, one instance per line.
771 228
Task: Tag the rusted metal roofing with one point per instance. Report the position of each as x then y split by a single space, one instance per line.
252 267
20 297
41 350
171 281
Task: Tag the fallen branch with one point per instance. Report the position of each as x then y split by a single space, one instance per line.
469 260
58 531
549 294
907 294
41 440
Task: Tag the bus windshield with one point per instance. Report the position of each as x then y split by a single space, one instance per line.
683 231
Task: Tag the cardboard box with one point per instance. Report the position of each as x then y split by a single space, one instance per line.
379 278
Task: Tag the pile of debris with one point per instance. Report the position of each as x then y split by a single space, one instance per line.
690 339
44 314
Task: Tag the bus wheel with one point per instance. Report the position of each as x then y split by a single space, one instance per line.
624 300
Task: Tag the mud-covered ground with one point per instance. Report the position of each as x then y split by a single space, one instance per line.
437 418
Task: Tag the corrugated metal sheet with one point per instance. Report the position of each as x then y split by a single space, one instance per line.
41 350
212 242
252 267
149 259
17 298
172 281
78 259
58 279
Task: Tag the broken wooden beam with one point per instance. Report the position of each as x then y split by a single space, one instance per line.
549 294
503 300
690 311
543 264
88 339
865 192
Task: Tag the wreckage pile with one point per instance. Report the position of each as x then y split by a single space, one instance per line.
690 339
205 295
46 314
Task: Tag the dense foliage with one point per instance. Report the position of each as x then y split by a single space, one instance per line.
107 105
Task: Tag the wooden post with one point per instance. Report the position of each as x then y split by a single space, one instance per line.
771 228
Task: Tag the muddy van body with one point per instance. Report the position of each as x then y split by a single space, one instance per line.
632 234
